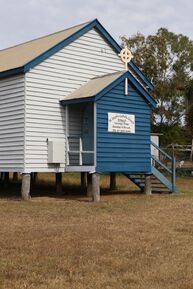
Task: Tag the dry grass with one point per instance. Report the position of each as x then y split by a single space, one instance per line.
127 241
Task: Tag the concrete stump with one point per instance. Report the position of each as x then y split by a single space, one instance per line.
25 187
95 188
147 189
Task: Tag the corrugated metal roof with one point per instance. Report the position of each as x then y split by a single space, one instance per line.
94 86
22 57
21 54
98 86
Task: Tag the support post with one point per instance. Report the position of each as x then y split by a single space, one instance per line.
147 189
113 181
2 176
6 178
15 177
58 183
25 187
34 177
83 180
89 185
95 187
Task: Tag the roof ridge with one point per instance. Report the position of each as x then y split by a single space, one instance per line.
94 89
41 37
108 74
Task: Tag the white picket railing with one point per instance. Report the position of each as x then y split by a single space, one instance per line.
78 151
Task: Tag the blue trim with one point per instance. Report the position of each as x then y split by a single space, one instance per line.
162 151
162 178
174 188
78 100
118 48
155 159
96 24
12 72
108 37
139 72
150 100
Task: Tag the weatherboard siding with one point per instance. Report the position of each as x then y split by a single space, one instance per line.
45 120
12 91
50 81
123 152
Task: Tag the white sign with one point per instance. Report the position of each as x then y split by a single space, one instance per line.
119 122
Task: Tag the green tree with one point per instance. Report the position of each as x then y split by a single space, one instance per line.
189 94
189 119
167 58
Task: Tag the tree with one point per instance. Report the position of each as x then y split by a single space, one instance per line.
167 58
189 94
189 119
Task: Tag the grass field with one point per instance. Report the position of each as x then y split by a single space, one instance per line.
127 241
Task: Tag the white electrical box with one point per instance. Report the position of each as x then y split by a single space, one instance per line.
56 152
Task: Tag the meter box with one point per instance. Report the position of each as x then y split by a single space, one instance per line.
56 152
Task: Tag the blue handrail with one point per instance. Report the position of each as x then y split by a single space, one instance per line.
174 174
171 170
162 151
161 164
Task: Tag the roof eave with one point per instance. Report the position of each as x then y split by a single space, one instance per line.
118 48
143 77
77 100
12 72
150 100
93 24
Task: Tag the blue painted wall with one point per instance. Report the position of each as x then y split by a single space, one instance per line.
123 152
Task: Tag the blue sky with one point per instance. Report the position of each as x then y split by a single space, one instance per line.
22 20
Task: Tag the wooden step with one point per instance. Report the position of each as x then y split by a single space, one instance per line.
160 190
136 177
139 180
156 184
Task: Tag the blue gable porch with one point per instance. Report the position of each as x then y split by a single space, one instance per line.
115 151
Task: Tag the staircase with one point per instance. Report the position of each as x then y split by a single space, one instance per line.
163 177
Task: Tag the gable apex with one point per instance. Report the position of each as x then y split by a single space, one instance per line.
148 98
21 58
97 87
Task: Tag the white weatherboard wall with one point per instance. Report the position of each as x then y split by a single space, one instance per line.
12 92
155 140
53 79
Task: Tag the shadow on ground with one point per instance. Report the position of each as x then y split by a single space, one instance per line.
42 189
